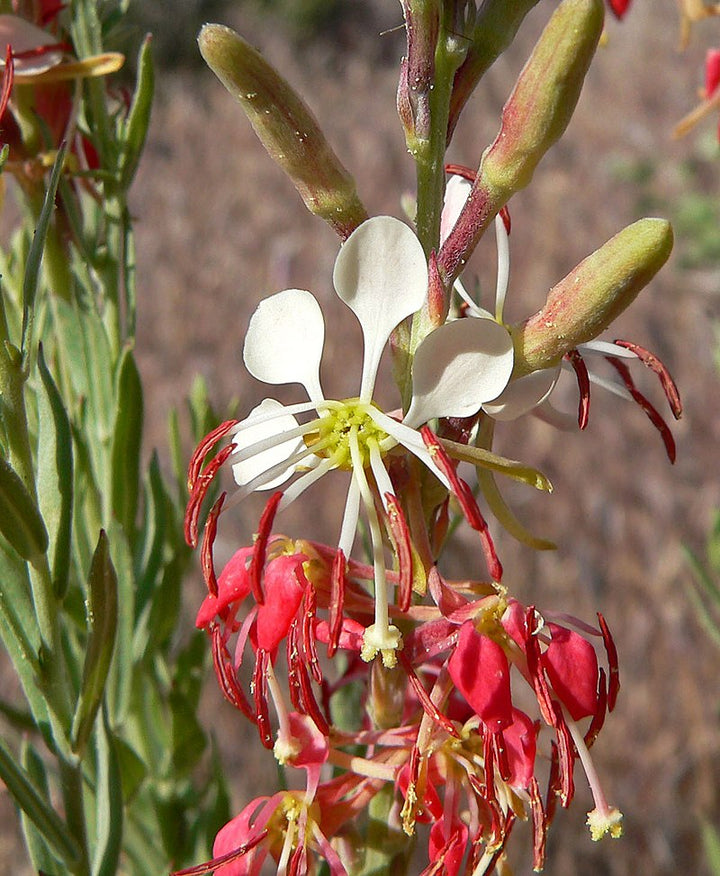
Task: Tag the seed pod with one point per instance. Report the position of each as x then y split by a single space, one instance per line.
591 296
286 127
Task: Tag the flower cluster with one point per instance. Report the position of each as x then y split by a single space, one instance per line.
437 706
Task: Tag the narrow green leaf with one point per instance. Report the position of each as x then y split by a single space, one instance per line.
126 446
32 270
132 138
108 804
55 475
711 843
19 633
20 519
37 808
43 860
102 620
119 687
153 534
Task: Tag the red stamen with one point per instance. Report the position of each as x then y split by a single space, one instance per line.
566 753
501 758
428 705
309 703
598 718
337 601
199 490
257 563
654 364
206 553
539 822
309 610
553 790
204 447
464 495
400 533
613 665
222 860
259 689
504 214
225 673
292 656
583 381
7 81
645 404
461 170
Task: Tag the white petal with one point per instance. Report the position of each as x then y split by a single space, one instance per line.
523 395
24 37
503 266
606 348
381 274
458 367
248 469
284 341
456 193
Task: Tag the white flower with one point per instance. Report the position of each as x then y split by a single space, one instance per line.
381 274
531 393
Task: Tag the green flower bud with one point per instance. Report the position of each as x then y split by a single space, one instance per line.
544 98
285 126
591 296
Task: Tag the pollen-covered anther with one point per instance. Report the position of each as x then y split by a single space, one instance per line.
385 641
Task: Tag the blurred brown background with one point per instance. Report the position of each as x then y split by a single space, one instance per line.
219 227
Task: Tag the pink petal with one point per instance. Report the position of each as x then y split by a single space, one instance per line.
480 671
283 595
233 586
572 669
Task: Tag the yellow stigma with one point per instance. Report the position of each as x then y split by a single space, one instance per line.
337 422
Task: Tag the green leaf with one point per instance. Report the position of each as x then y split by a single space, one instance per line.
43 860
109 804
153 534
126 443
55 475
19 633
20 520
132 769
102 620
711 843
32 270
134 133
119 687
32 802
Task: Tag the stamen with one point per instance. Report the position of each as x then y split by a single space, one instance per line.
539 822
257 563
604 818
308 479
668 384
308 631
337 600
206 553
646 406
200 488
429 707
467 502
225 673
259 689
613 663
583 380
598 718
272 441
223 860
204 447
400 533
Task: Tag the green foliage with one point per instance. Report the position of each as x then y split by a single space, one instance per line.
92 553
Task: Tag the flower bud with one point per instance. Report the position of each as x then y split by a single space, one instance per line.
591 296
286 127
545 95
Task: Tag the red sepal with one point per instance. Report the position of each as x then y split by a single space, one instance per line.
259 690
400 533
199 489
463 494
257 563
225 673
337 600
583 381
206 553
613 664
666 380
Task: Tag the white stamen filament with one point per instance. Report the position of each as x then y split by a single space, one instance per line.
299 486
410 440
381 596
271 441
586 760
382 478
269 474
350 518
281 411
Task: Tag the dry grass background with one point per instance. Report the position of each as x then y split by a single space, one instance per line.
219 227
